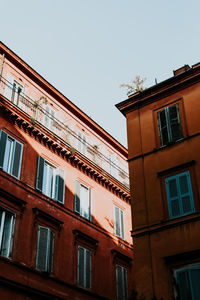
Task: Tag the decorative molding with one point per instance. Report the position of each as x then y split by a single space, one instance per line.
40 214
117 255
80 236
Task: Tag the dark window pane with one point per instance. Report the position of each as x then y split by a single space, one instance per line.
172 188
88 267
184 286
175 209
183 184
186 204
42 249
176 130
81 266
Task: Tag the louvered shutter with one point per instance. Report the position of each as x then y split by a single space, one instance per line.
117 222
186 192
51 251
122 223
88 269
183 285
163 129
119 282
40 173
125 285
9 86
17 158
77 197
195 280
60 182
3 139
175 123
172 196
80 266
85 201
42 249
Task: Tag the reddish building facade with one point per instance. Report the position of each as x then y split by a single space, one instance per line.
65 217
163 127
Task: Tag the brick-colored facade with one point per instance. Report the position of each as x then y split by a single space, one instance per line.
65 217
163 127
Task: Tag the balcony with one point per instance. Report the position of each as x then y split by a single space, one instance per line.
39 112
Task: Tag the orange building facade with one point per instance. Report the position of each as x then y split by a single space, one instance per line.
65 216
163 127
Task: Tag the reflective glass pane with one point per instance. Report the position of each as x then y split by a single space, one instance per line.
8 155
6 241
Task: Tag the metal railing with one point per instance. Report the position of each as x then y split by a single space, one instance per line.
40 112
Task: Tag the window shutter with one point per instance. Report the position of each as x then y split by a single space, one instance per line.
77 197
125 284
85 201
172 196
3 139
186 194
183 285
195 280
163 130
88 268
40 173
175 123
122 223
117 222
60 182
119 282
42 247
16 168
80 266
9 86
51 251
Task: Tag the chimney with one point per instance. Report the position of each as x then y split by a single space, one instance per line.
181 70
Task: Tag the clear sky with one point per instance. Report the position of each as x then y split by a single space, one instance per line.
87 48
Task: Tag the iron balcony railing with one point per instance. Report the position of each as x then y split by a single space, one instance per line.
40 112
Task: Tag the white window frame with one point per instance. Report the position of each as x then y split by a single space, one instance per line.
121 223
11 231
45 186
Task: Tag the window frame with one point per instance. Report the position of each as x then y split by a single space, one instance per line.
121 224
86 250
188 269
57 179
124 282
179 194
11 160
11 231
77 199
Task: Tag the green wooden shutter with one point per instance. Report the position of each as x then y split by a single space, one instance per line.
3 140
195 283
40 173
77 197
80 271
42 249
88 269
172 196
183 285
186 194
175 123
60 182
17 158
163 127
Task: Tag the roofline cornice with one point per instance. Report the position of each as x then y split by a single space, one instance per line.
50 89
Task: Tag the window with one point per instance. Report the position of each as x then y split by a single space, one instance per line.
82 142
121 283
84 267
6 232
50 180
49 117
179 195
45 245
82 200
119 222
169 122
113 168
10 154
188 283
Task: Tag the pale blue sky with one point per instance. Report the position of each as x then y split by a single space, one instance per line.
87 48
